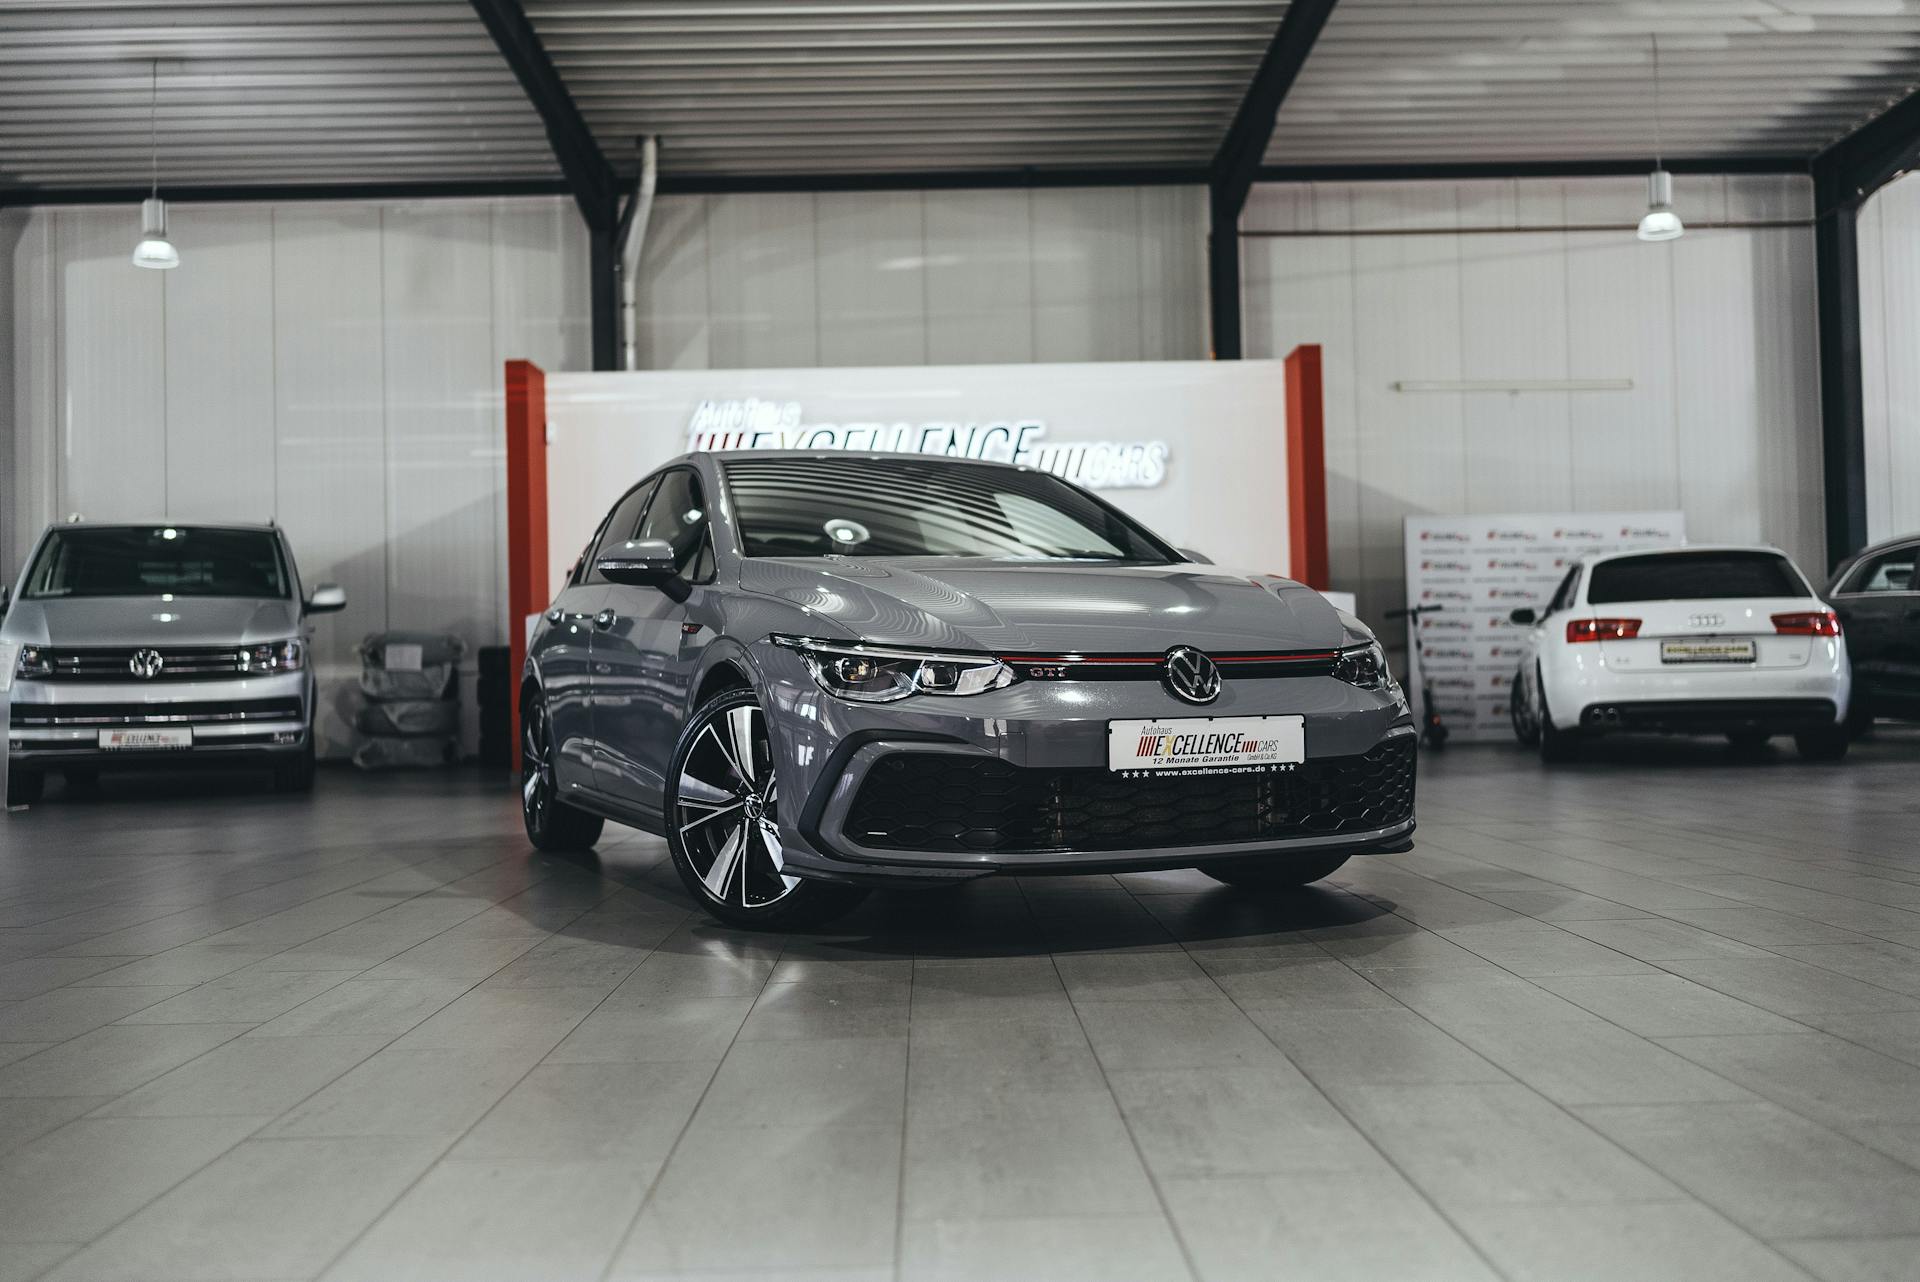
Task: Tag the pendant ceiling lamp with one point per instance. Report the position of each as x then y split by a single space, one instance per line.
1660 223
154 249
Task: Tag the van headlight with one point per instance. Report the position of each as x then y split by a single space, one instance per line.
34 661
880 674
1364 666
276 656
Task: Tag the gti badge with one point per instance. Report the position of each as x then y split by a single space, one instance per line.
146 664
1191 675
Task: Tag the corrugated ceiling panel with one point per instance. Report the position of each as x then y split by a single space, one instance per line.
265 91
764 86
1488 80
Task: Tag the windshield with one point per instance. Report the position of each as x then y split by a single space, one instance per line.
1694 576
179 560
924 507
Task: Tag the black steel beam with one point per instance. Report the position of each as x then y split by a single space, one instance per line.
1223 278
1245 147
1237 163
224 194
588 173
1871 156
931 180
1461 170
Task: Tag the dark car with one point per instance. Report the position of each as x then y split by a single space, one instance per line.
814 674
1878 600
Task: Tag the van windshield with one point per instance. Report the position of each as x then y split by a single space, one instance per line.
177 560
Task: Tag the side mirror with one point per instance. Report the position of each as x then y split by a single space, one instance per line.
1197 558
326 598
639 564
1525 616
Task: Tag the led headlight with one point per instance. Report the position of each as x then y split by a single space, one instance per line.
275 656
34 661
1364 666
878 674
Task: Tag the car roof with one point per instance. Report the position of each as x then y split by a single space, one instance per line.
1597 558
258 527
1884 545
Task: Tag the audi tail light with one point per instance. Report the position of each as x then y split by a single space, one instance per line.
1602 629
1807 623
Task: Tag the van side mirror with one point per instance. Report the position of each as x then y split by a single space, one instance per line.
327 598
1526 616
639 564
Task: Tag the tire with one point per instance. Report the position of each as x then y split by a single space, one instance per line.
24 786
81 778
1822 745
1859 719
1747 743
551 824
295 773
1278 872
1554 744
722 824
1526 727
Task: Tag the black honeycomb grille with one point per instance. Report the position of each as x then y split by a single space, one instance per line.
929 801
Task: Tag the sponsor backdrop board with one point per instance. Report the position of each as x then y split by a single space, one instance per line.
1195 449
1478 569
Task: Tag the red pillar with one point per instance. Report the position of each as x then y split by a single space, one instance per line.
1306 469
526 515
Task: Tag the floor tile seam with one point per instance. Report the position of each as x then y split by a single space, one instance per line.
1113 1099
666 1162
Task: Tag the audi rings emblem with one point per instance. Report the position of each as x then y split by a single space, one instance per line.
146 664
1705 620
1191 675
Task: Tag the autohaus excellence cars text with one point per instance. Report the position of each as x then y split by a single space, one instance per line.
819 673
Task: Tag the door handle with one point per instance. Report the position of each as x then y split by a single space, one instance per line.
605 619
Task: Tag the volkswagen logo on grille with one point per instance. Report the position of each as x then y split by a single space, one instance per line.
1191 675
146 664
1705 620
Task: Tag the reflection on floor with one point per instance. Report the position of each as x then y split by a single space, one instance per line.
1655 1015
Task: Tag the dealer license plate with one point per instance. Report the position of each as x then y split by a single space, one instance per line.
1206 745
150 740
1709 650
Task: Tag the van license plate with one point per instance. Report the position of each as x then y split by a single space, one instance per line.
147 740
1713 650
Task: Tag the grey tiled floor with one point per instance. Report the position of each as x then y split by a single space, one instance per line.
1655 1015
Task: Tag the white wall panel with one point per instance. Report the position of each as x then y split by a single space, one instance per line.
980 277
760 278
112 376
334 367
673 300
220 367
872 278
1890 351
1086 276
1494 280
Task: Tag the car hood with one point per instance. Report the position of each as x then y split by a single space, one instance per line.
1015 608
134 621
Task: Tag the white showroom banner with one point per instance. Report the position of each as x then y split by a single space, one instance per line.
1477 570
1195 449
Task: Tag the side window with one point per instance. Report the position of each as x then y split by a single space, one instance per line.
1891 571
1563 599
678 518
620 525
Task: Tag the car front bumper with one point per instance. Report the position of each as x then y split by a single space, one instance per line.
55 723
1016 779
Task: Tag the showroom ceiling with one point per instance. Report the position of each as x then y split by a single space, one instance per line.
285 92
259 91
753 86
1419 81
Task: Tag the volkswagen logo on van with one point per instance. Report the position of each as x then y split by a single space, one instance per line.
1191 675
146 664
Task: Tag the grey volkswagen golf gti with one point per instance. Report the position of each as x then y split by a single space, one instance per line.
815 674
